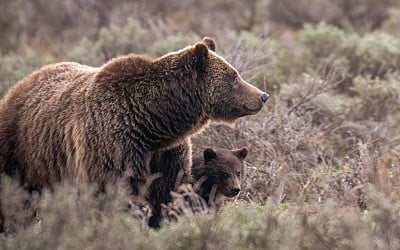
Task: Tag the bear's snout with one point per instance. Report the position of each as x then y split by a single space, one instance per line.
255 98
255 104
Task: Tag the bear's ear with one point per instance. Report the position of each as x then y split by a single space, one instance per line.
209 154
210 43
201 56
240 153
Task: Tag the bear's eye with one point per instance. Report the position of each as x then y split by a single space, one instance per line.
235 82
238 174
225 175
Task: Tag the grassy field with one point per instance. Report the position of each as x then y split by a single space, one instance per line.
323 170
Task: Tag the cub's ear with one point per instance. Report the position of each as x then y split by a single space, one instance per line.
201 56
209 154
240 153
210 43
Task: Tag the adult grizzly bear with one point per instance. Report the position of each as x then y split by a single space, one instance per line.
69 120
219 173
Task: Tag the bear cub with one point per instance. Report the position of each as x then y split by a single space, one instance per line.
218 174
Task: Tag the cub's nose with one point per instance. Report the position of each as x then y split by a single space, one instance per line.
235 190
264 97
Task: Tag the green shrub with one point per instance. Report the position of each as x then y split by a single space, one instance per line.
373 54
376 54
251 55
375 100
112 41
364 15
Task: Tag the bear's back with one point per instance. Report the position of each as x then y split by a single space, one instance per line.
45 82
33 107
41 91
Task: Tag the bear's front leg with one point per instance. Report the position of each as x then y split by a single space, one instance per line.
175 165
137 174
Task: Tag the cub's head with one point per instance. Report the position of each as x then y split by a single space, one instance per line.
228 96
225 169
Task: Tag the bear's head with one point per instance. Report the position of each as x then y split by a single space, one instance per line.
225 169
228 96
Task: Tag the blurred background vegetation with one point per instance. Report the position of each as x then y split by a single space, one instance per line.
323 167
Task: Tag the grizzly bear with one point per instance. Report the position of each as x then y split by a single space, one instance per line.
71 121
218 173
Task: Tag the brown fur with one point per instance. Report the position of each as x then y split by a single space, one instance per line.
218 174
73 121
175 166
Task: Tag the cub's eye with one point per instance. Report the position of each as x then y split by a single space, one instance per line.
225 175
238 174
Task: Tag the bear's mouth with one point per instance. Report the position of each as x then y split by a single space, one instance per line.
253 109
229 194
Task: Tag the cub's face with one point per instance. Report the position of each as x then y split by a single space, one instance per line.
225 169
229 96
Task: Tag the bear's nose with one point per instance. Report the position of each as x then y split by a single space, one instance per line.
235 190
264 97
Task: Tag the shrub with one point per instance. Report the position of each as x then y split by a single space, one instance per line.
251 55
10 25
304 11
373 54
112 41
71 217
173 43
391 25
350 14
372 99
